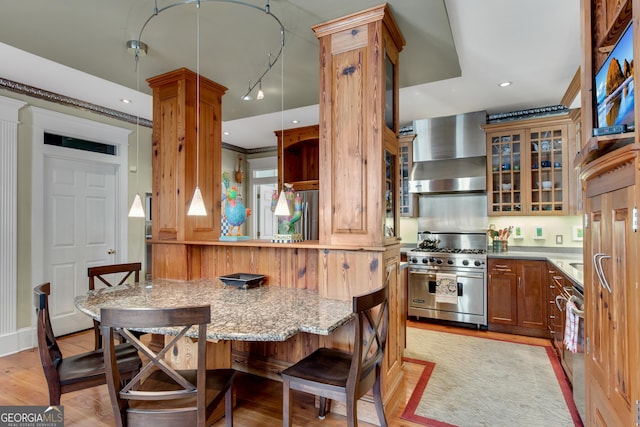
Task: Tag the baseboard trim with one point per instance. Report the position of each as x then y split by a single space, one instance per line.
20 340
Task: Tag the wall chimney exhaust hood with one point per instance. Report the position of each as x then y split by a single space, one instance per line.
449 155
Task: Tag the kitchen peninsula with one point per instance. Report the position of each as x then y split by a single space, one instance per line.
358 194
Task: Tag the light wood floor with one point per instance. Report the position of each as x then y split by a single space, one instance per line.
259 401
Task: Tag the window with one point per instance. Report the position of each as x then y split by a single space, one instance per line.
78 144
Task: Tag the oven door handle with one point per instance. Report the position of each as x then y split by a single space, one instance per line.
418 271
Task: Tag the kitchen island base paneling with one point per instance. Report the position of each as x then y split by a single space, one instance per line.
335 272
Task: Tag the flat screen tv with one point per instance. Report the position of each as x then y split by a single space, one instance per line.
614 85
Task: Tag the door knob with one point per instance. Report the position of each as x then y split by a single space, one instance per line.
111 251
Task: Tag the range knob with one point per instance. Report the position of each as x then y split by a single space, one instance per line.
465 262
432 259
450 261
414 260
439 260
478 263
425 260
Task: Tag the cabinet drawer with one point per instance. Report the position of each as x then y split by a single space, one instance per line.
501 265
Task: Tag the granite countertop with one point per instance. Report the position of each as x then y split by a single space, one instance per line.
265 313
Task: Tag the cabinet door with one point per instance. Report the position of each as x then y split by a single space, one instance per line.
532 294
502 292
609 360
505 183
529 166
397 316
548 176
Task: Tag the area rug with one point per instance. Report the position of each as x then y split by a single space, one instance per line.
469 381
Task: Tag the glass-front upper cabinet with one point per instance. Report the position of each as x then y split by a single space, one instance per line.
528 161
407 200
547 183
505 185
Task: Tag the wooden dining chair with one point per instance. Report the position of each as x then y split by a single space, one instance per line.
334 374
111 275
161 395
76 372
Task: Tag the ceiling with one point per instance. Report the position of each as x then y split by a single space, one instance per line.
457 52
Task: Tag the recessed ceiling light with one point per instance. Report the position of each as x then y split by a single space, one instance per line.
125 101
504 84
295 121
226 133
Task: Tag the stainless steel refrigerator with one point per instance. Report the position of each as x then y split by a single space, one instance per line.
308 225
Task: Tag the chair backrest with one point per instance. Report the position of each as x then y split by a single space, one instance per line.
121 320
372 324
50 354
101 271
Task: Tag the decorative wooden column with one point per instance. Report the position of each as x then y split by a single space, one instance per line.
359 176
358 127
174 157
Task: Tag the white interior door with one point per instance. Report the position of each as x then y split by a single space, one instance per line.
267 224
79 232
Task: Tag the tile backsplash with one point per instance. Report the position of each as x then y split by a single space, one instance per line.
543 231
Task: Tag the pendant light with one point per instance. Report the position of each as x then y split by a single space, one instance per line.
260 94
282 208
137 211
197 207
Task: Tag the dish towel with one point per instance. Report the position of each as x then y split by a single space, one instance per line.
446 288
571 328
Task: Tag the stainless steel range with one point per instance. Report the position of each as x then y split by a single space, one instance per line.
445 258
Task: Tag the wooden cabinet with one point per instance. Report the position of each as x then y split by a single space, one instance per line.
502 292
359 83
560 290
610 284
408 201
517 296
530 167
396 341
603 24
177 151
609 170
298 157
556 310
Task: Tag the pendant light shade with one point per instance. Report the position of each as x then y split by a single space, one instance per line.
197 207
282 208
260 92
136 211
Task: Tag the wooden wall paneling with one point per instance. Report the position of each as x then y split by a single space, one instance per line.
166 160
345 273
349 179
170 261
284 266
209 166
